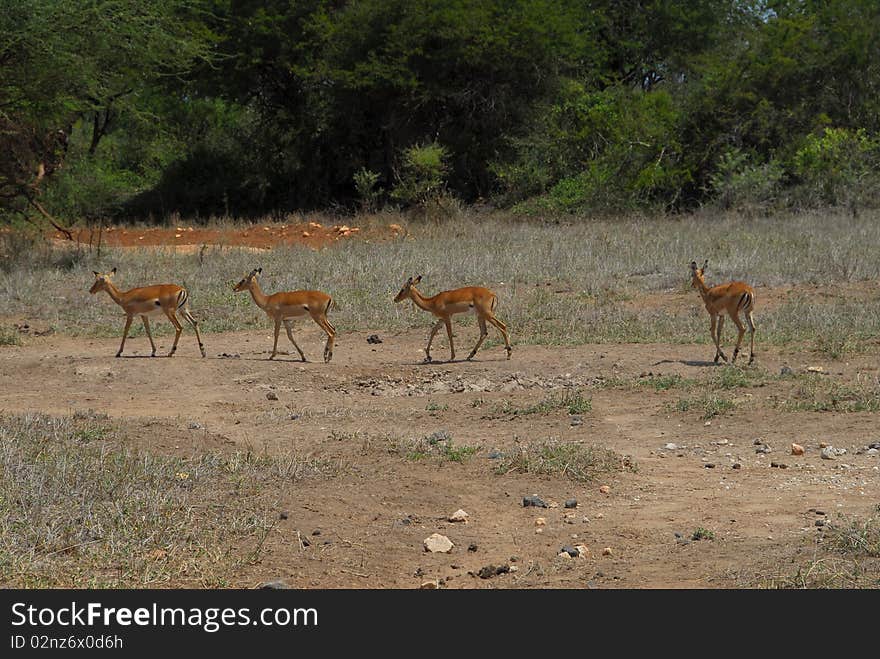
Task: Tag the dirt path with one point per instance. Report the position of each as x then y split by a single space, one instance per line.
372 399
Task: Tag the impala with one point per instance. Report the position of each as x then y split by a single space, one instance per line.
284 307
734 297
148 301
444 305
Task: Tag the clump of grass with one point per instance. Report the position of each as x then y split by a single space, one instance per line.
436 407
438 445
703 534
819 395
840 344
734 377
854 536
846 555
79 509
9 336
709 405
574 460
827 572
573 401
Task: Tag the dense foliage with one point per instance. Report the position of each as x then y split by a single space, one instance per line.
114 108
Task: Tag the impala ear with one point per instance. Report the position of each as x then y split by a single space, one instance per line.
417 279
259 271
113 271
693 265
705 263
96 273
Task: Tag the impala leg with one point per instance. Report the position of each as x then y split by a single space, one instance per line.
448 322
751 322
128 320
325 325
149 335
715 330
275 345
290 336
434 331
739 338
178 328
192 321
483 333
503 329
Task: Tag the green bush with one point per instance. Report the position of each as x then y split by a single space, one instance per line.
365 184
614 149
421 184
740 184
839 167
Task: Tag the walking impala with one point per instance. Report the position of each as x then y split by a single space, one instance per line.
284 307
147 301
444 305
733 297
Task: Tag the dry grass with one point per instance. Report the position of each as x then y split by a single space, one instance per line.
77 509
845 555
558 282
573 460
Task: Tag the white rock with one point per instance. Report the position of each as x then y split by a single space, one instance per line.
458 516
671 447
828 453
438 543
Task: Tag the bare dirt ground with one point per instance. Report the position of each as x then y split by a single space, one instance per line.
185 237
365 526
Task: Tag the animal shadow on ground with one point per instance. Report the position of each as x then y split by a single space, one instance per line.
687 362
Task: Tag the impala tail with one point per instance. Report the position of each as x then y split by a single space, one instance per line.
182 298
746 302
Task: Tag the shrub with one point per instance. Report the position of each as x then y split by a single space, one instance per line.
839 167
740 184
423 173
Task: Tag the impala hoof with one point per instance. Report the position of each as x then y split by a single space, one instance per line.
470 357
428 359
119 354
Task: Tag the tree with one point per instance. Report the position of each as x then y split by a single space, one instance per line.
63 62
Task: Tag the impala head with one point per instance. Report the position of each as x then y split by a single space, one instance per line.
101 279
246 283
697 273
407 285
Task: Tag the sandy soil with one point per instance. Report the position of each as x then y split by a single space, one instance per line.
366 525
188 238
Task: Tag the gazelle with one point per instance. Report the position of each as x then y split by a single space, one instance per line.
285 307
444 305
148 301
734 297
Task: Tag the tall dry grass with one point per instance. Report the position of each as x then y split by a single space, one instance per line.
559 280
